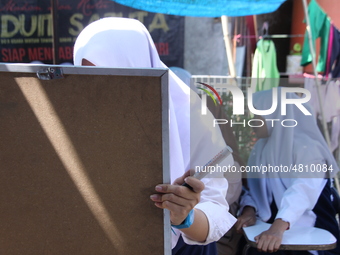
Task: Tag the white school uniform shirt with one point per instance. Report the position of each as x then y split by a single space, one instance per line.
295 194
122 42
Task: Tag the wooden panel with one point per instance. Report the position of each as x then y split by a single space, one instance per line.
79 158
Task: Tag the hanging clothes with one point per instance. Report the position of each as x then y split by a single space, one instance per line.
334 48
330 95
329 50
310 85
320 26
265 74
332 111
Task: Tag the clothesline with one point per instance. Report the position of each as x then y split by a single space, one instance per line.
267 36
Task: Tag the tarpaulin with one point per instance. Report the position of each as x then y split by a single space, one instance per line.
205 8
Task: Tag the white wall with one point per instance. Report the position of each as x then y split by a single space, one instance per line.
204 50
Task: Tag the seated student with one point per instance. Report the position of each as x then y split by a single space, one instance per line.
288 199
198 217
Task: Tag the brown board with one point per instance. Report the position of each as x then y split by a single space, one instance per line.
79 158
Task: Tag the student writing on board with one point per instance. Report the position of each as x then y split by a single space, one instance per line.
199 216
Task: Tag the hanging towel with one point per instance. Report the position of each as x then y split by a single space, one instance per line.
320 25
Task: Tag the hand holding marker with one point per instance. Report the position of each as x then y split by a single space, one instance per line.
213 162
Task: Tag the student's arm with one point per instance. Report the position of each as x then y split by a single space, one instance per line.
180 201
300 196
247 218
247 211
271 239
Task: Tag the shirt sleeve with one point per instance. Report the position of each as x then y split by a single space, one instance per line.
214 205
300 196
247 200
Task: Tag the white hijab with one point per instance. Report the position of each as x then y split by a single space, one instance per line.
301 144
287 146
126 43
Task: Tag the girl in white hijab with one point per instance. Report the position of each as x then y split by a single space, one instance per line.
289 198
126 43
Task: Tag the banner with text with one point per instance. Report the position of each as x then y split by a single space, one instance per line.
27 29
